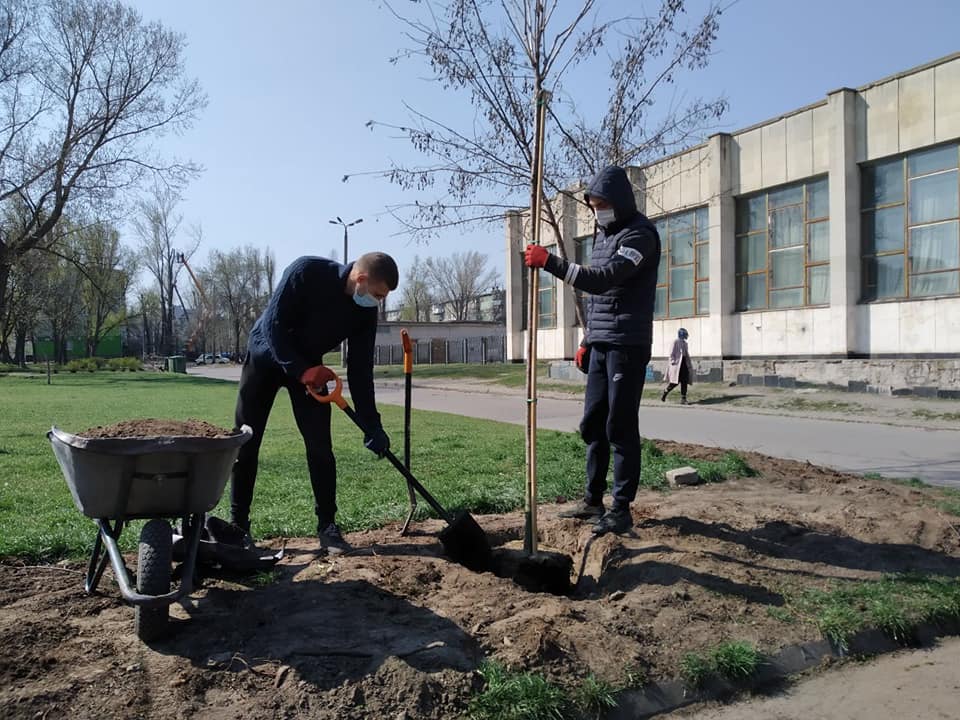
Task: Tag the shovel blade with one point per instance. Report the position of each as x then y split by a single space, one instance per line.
466 543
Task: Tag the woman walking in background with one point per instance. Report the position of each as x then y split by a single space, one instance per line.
679 367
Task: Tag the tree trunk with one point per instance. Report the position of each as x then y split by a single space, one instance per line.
20 345
4 331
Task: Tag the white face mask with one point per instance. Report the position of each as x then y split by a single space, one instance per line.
605 216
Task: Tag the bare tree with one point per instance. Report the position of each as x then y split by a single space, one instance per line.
157 223
458 281
107 269
504 55
239 283
84 86
61 291
416 298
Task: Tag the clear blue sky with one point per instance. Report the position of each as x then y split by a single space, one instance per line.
291 84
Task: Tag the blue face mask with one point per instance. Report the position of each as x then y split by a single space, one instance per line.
364 300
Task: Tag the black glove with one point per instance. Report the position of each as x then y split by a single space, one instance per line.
377 442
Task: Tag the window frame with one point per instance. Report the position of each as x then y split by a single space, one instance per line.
808 221
699 226
904 250
547 284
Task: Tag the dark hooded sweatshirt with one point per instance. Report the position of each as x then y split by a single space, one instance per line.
310 314
622 276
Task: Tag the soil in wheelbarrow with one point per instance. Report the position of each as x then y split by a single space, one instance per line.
154 427
397 631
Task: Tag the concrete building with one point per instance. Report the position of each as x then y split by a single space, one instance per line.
823 244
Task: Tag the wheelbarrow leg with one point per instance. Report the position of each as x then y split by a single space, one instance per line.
98 561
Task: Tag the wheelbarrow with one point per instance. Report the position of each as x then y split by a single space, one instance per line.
116 480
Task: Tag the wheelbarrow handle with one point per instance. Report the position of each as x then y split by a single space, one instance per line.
335 396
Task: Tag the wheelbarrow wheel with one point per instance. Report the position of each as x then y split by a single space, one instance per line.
154 558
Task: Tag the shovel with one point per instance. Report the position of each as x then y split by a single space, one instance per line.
407 390
463 539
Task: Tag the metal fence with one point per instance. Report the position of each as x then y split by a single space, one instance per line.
438 351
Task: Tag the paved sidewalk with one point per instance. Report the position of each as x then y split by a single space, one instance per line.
922 684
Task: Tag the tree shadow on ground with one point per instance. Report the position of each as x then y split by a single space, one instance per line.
791 541
330 633
721 399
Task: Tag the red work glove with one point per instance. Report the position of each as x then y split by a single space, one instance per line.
582 359
536 256
317 377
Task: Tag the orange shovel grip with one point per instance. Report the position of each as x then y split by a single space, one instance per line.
334 396
407 351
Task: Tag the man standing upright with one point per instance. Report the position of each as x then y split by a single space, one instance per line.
621 281
317 304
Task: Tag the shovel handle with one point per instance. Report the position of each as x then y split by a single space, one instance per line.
407 351
334 396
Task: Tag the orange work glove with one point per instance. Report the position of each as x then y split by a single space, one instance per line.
317 377
536 256
582 359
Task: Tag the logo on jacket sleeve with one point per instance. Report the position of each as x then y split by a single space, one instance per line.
634 256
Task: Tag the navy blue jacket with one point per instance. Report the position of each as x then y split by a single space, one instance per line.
622 276
310 314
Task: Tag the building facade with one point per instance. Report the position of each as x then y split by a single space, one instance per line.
829 233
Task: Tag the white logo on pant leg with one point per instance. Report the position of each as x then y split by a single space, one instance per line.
617 377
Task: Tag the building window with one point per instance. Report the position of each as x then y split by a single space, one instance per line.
547 291
547 295
910 218
783 247
683 276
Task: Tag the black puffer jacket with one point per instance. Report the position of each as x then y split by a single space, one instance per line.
622 276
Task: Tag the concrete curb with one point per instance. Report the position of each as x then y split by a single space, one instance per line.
669 695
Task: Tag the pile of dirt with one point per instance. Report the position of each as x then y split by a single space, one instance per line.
396 630
152 427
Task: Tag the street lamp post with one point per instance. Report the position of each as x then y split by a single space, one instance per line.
345 225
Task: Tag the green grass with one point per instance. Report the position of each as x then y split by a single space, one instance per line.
695 668
951 502
735 661
517 696
944 498
655 464
595 696
925 414
799 403
467 463
265 578
895 604
509 374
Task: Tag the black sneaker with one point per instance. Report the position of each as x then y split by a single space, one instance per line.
233 533
663 396
683 400
582 510
617 520
331 541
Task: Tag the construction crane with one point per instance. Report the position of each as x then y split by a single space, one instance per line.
204 305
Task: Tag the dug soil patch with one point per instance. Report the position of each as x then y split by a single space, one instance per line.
153 427
396 630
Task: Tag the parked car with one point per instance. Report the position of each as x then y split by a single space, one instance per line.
206 359
223 358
